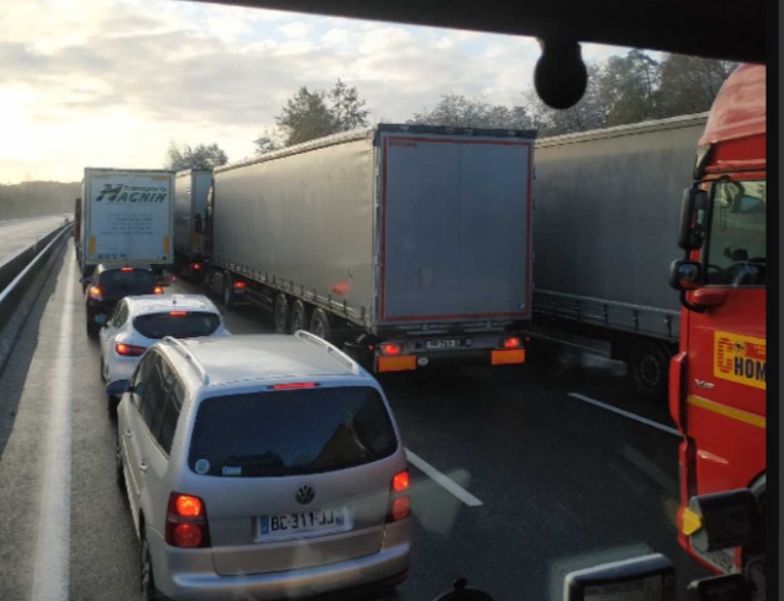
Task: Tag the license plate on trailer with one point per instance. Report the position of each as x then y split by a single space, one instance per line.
443 343
314 523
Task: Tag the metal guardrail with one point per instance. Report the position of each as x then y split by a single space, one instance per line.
16 275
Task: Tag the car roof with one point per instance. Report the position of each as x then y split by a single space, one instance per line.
142 304
248 359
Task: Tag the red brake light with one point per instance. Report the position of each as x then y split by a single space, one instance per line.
512 342
195 266
157 290
186 521
390 349
188 506
178 313
240 285
401 481
126 269
129 350
401 508
187 535
96 293
293 385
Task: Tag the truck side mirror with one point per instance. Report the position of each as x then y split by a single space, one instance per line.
722 520
650 577
694 208
685 274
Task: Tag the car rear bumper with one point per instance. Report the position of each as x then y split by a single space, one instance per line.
190 575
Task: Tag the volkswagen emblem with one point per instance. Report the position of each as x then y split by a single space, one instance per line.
305 494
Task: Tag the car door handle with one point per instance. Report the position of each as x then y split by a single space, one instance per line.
143 466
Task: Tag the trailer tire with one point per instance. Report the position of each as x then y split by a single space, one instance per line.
298 318
319 324
649 364
228 292
280 314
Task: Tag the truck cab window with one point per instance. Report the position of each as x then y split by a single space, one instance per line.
735 252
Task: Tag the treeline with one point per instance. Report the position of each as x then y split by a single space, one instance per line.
31 199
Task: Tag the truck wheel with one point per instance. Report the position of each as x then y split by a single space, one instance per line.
649 364
228 292
280 314
319 324
299 316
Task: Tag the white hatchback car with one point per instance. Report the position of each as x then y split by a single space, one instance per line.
140 321
262 467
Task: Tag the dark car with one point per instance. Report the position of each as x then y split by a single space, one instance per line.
109 284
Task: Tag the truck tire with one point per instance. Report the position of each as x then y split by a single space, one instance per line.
649 365
228 292
298 319
280 314
319 324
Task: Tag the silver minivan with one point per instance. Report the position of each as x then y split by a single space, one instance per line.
262 467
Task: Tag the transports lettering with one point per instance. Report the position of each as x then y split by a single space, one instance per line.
749 368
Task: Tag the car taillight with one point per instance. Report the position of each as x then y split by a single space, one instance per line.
96 293
294 385
129 350
512 342
195 266
399 502
157 290
240 285
390 349
186 521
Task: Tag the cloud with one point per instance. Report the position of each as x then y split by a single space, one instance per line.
115 81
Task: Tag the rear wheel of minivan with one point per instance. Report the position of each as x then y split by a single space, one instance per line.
147 580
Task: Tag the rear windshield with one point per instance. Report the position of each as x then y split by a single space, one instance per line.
174 323
138 281
282 433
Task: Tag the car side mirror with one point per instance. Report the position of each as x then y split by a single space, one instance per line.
650 577
693 220
685 275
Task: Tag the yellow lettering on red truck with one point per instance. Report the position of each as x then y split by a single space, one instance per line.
740 359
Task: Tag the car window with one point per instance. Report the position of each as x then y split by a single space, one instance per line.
120 315
170 413
140 379
154 394
280 433
180 324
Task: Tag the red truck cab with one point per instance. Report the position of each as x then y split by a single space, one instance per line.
718 377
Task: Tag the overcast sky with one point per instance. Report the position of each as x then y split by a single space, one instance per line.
110 83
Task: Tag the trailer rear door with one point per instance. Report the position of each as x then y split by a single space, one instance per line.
455 227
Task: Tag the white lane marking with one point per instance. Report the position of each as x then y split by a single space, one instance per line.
50 575
628 414
443 480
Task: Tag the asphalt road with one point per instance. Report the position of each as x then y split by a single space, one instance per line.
561 483
16 234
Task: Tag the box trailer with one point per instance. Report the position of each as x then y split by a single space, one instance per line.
606 219
126 218
191 188
409 245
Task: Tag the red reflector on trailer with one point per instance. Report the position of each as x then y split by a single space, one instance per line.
240 285
293 385
512 342
390 349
